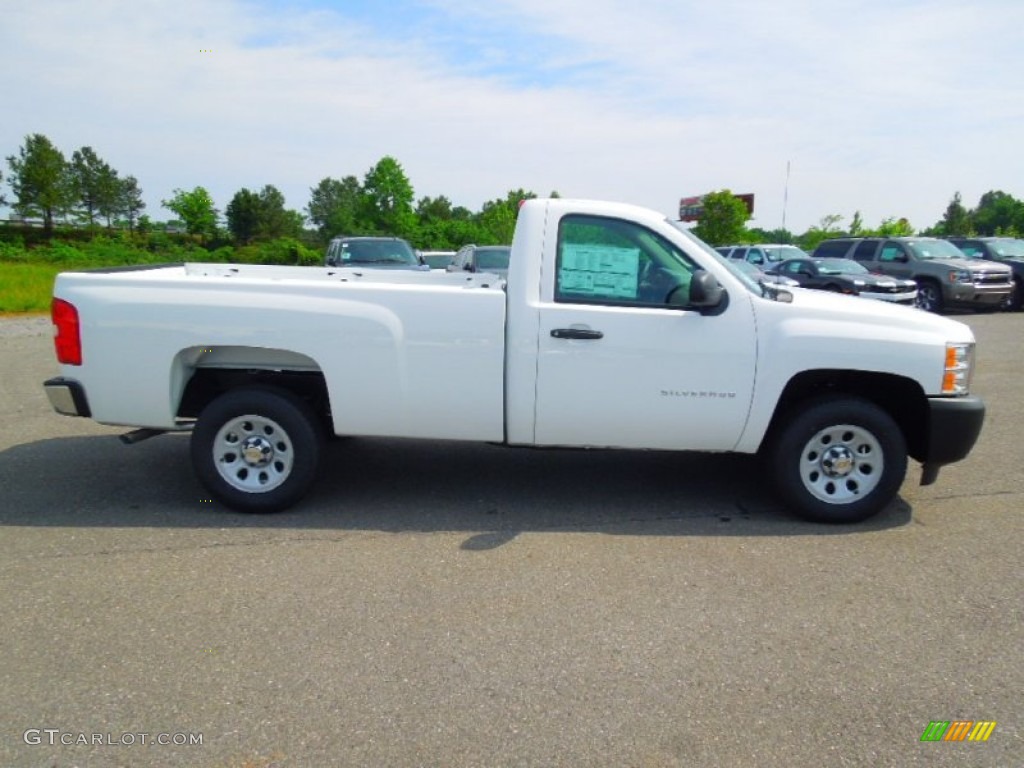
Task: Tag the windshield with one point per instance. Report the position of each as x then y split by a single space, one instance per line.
782 252
732 265
377 252
935 249
840 267
1009 249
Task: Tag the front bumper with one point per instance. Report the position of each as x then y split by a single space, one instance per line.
954 426
67 396
904 297
986 294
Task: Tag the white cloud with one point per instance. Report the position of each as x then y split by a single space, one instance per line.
887 108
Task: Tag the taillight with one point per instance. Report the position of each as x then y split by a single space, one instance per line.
66 337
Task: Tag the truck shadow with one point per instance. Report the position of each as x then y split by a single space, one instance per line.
492 493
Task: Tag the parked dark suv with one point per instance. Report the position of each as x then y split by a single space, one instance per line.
1006 250
945 276
373 252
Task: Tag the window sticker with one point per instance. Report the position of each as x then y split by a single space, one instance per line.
599 271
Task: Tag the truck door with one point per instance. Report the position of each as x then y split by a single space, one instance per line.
893 259
617 365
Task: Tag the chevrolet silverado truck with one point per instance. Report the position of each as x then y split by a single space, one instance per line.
615 328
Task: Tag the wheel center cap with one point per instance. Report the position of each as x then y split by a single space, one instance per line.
837 461
257 451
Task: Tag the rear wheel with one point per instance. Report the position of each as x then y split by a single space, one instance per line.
839 460
256 449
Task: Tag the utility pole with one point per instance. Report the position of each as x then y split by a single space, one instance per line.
785 196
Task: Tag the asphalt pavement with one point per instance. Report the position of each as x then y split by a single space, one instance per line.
436 604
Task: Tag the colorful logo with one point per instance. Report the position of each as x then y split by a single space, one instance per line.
958 730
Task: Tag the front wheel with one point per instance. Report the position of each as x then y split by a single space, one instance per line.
839 460
929 296
1015 297
256 449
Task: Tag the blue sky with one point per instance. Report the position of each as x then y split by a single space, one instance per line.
888 108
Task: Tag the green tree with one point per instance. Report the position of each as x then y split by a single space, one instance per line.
243 216
387 198
3 200
195 209
41 181
856 225
758 235
110 196
723 219
998 213
498 217
956 220
96 186
893 227
826 228
130 202
275 220
334 207
431 209
261 216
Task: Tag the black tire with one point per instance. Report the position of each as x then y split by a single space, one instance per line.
281 436
929 296
1016 297
839 460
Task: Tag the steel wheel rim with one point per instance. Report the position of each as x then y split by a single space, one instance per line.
841 464
253 454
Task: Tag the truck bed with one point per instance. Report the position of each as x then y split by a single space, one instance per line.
400 351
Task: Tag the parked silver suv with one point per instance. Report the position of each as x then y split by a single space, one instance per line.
945 275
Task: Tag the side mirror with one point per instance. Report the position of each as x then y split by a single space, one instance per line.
706 294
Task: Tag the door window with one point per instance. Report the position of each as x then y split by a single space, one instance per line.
891 252
865 250
615 262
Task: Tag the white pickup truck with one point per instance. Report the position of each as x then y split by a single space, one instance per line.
615 328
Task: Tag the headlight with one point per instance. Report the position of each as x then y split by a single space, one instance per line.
956 379
960 276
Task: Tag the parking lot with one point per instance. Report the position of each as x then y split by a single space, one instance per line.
462 605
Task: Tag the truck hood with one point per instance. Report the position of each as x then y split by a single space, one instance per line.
879 316
973 265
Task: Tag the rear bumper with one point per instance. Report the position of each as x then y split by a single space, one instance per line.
67 397
954 426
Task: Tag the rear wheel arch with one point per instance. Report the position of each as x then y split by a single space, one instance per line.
207 384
